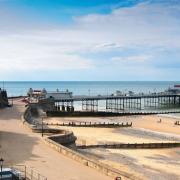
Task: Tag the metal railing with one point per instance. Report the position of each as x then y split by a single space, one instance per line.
26 173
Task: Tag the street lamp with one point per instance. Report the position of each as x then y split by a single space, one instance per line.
42 116
1 164
42 127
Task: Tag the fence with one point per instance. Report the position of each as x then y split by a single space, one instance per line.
26 173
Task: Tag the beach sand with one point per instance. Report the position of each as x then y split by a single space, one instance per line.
20 146
161 164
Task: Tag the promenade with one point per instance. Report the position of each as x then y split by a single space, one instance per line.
20 146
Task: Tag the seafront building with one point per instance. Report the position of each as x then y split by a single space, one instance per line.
3 98
44 94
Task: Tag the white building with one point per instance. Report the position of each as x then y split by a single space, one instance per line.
58 94
41 94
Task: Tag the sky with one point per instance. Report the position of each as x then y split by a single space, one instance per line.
89 40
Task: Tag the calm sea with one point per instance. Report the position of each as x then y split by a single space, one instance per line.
88 87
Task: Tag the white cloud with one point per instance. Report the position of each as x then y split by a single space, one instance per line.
145 26
61 62
132 59
18 54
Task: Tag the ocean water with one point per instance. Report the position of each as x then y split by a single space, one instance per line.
87 87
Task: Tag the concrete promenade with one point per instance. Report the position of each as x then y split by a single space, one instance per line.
20 146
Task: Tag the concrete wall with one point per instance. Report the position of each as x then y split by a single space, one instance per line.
105 169
56 142
47 104
65 139
61 136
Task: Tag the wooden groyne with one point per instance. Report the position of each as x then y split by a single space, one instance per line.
90 124
133 146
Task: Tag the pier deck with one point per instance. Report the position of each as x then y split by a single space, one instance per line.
105 97
135 103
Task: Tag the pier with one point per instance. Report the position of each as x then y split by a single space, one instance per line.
135 103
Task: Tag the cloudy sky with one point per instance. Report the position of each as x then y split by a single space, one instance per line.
89 40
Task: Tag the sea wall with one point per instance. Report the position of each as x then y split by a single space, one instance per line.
58 142
63 137
101 167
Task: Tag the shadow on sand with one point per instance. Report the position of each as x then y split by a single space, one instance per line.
11 113
16 148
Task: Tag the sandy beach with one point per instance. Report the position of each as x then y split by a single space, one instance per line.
20 146
153 164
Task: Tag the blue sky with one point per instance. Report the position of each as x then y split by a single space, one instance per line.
89 40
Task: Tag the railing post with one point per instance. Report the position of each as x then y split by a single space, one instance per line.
31 174
25 172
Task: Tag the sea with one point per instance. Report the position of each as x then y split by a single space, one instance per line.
91 88
18 88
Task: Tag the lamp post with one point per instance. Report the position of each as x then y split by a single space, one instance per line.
1 164
42 127
42 116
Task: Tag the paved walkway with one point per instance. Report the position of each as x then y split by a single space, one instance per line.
20 146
